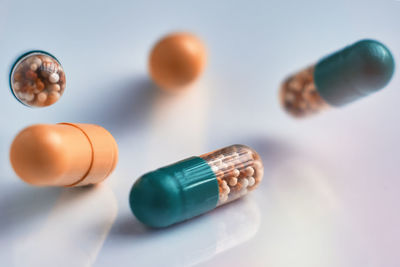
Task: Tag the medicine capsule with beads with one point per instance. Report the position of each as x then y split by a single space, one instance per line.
37 79
338 79
195 185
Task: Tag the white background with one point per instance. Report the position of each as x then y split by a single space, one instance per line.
331 187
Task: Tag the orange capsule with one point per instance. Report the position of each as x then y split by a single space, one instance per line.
64 154
177 60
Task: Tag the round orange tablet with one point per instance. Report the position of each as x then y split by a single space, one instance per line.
177 60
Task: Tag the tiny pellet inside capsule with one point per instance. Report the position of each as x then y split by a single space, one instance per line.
37 79
238 170
196 185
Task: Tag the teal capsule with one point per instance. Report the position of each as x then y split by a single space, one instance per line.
195 185
339 79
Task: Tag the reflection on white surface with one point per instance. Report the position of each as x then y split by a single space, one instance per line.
305 209
234 225
300 180
178 123
188 243
241 222
299 211
74 231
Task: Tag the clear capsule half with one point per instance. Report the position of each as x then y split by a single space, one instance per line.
195 185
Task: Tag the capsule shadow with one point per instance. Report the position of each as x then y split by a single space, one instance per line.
273 151
198 239
123 107
293 175
84 214
25 203
129 226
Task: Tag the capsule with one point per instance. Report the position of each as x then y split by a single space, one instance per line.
195 185
37 79
176 61
65 154
338 79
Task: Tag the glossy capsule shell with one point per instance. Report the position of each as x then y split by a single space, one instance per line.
177 60
354 72
65 154
195 185
343 77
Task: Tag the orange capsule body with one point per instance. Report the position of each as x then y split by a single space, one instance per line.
64 154
177 60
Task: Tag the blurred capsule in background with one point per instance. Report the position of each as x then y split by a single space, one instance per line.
177 60
195 185
338 79
64 154
37 79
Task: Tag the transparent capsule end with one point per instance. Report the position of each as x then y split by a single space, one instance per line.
37 79
238 169
299 95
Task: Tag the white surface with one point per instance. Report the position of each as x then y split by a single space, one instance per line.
331 187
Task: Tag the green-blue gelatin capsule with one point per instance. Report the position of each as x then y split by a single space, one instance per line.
195 185
339 79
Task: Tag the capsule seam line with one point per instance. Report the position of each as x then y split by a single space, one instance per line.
114 157
92 152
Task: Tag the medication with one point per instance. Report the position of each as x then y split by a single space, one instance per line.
37 79
65 154
195 185
176 61
338 79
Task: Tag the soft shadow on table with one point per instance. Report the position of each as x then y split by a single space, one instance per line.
199 238
129 226
76 221
273 151
295 175
122 107
23 203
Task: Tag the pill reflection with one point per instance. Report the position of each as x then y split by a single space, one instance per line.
74 231
188 243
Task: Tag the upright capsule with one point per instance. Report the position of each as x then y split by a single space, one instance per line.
176 61
37 79
338 79
65 154
195 185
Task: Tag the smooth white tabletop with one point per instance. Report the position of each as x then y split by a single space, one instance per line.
331 187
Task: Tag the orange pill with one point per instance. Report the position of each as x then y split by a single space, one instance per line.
177 60
65 154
